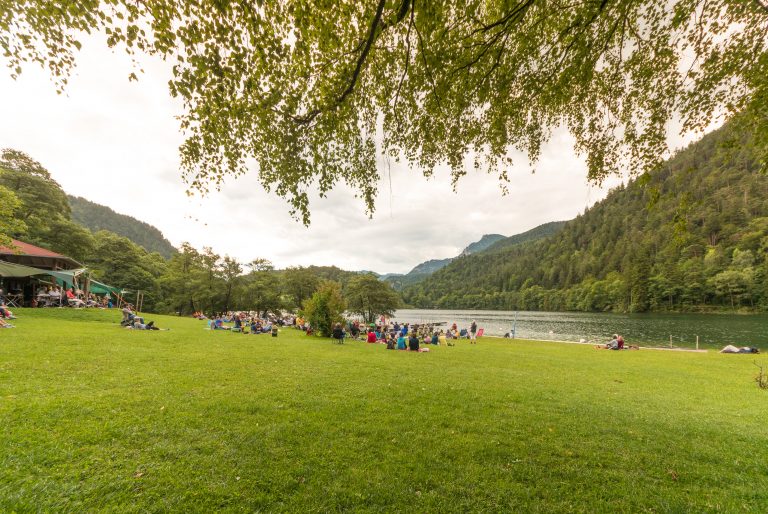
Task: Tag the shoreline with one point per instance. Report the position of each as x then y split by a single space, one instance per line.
677 349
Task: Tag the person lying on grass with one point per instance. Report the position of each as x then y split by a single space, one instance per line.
744 349
138 325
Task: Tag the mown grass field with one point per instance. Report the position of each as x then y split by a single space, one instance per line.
97 418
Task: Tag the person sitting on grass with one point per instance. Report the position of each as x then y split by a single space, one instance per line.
338 333
5 313
218 324
354 329
413 342
401 342
129 316
371 336
613 344
5 324
391 342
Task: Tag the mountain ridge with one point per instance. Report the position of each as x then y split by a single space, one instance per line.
95 217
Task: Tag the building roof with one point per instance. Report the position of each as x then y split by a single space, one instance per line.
31 255
22 248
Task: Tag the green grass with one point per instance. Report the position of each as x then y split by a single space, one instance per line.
94 417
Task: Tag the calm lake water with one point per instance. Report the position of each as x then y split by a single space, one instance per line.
714 330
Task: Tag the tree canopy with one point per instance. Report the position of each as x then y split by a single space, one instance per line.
314 91
370 297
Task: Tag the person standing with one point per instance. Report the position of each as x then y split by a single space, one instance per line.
473 333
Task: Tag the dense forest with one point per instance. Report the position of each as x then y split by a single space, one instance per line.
100 217
691 236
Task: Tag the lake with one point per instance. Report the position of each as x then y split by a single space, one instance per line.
714 330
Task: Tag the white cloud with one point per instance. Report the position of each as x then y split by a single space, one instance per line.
115 143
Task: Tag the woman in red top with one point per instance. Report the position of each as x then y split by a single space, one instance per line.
371 336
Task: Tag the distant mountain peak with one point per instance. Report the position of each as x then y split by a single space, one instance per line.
485 241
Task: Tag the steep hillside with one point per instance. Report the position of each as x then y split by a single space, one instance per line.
691 236
99 217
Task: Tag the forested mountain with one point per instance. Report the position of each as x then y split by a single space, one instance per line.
693 235
540 232
99 217
425 269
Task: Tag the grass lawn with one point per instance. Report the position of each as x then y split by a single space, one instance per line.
95 417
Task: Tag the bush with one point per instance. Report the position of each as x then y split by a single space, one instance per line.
325 308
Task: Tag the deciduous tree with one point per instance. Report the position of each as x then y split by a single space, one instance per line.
370 297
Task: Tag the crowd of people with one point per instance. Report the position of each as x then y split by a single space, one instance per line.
57 296
409 337
247 322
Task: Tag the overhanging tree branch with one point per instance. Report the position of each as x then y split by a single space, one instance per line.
372 33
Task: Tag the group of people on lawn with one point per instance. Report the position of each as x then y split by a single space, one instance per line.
247 322
415 338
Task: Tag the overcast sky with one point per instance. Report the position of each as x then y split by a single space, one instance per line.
116 143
